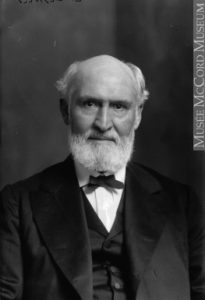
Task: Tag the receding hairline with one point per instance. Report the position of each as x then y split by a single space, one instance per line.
100 62
68 83
103 61
101 68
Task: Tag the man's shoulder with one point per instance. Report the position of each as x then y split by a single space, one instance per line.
150 177
49 177
174 194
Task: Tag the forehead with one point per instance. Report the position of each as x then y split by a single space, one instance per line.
105 81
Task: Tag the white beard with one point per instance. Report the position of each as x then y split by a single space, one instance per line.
101 156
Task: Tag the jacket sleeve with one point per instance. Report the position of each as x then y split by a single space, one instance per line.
196 220
11 269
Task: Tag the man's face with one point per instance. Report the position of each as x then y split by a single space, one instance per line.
103 117
104 103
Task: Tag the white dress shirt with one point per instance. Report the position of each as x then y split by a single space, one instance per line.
105 201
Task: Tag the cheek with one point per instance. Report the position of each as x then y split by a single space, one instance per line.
125 126
80 123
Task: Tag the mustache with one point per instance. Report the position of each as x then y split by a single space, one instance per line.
103 136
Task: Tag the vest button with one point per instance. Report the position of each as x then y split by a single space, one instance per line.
117 285
113 269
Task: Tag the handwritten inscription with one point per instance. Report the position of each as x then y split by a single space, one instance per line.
41 1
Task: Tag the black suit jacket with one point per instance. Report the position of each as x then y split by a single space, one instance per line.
45 251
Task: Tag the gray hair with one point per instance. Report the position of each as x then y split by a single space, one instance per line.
66 84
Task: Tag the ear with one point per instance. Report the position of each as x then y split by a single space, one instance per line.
64 110
138 115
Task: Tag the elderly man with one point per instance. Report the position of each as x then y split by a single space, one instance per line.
99 226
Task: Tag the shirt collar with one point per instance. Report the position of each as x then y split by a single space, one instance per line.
83 174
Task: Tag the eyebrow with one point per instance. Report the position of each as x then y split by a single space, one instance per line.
95 99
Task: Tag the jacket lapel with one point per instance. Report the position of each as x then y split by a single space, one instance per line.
145 216
59 214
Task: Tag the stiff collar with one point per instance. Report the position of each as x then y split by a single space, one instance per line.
83 174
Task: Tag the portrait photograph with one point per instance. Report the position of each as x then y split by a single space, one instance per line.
102 161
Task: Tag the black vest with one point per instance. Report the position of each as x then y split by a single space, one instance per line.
108 256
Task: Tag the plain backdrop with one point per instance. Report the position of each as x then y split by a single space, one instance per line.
39 39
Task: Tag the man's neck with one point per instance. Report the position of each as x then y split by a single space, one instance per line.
83 174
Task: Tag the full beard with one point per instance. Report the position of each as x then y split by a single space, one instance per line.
108 156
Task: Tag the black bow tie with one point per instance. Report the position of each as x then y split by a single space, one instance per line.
105 181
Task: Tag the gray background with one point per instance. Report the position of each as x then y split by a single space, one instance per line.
40 40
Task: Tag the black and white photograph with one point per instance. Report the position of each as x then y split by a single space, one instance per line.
102 162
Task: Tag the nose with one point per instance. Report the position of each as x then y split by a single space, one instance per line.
103 120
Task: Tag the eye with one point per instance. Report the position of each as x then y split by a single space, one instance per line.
89 104
118 106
